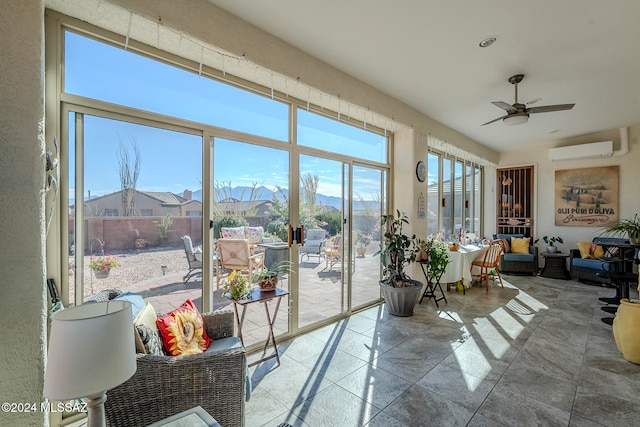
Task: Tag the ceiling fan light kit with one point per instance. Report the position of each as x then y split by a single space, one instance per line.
517 113
516 119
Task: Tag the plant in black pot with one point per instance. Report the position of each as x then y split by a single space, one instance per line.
398 250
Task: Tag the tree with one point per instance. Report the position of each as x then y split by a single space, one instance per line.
129 171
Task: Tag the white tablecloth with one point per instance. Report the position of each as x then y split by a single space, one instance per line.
460 264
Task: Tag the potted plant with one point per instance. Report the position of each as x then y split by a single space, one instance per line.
551 248
433 252
102 265
267 279
398 250
237 286
628 227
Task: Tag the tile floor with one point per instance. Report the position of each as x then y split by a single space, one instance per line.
532 354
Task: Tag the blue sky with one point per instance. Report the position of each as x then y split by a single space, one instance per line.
171 160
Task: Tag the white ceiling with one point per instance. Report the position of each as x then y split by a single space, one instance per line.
426 54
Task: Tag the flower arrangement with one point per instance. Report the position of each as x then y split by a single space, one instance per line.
237 286
103 263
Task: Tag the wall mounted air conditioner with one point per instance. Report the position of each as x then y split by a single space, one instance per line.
582 151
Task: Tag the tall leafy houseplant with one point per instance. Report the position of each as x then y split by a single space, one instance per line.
399 291
398 252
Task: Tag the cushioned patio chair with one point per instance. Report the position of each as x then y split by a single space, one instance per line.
235 254
194 258
517 263
163 386
313 244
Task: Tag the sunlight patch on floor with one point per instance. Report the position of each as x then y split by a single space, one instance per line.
472 362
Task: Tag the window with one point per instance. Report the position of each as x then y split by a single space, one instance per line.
111 212
194 213
141 82
332 136
146 212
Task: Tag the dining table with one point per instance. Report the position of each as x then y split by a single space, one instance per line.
459 268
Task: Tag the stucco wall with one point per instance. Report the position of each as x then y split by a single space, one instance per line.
22 280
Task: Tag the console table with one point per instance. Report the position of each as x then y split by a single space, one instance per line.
555 266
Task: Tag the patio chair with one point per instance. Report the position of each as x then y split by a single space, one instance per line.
333 251
490 261
235 254
163 386
194 258
313 244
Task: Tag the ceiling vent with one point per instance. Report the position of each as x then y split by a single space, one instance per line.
582 151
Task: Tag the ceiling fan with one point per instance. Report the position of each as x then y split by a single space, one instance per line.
517 113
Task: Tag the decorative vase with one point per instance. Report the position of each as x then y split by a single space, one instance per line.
401 301
625 330
552 249
101 274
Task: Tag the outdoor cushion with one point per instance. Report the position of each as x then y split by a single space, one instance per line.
590 250
233 232
591 263
183 331
146 317
520 245
512 256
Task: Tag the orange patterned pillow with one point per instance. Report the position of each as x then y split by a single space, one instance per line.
183 331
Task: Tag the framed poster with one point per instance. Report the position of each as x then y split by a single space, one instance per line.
586 197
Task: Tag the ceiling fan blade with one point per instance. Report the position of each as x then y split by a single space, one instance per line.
494 120
506 107
550 108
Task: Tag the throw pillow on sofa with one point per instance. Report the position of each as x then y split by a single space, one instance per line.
183 331
150 339
589 250
520 245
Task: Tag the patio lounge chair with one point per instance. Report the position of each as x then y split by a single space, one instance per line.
313 244
333 251
194 258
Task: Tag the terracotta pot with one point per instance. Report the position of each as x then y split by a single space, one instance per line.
268 283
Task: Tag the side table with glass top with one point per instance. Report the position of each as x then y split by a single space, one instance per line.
264 297
555 266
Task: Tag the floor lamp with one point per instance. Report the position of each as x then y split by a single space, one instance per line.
91 351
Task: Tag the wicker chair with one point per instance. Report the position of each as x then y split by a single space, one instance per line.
166 385
518 263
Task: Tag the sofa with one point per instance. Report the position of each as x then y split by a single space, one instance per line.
518 263
163 385
590 268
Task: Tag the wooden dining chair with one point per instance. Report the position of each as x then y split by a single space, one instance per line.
490 261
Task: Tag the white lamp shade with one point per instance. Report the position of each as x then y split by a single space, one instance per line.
91 350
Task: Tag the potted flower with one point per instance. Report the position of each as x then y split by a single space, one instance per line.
237 286
433 252
551 248
102 265
398 250
626 227
267 279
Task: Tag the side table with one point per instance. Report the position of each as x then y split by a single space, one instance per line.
555 266
264 297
